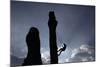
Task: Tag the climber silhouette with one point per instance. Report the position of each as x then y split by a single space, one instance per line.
52 23
33 44
63 48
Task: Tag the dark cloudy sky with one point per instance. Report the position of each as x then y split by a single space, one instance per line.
76 28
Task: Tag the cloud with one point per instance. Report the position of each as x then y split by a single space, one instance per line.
16 61
82 54
19 60
45 56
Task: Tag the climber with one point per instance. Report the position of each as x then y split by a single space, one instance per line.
63 48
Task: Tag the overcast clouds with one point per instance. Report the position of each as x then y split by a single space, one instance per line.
76 28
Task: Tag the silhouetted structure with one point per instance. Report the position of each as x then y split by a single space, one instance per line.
33 44
52 23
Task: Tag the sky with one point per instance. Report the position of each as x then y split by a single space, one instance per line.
76 28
